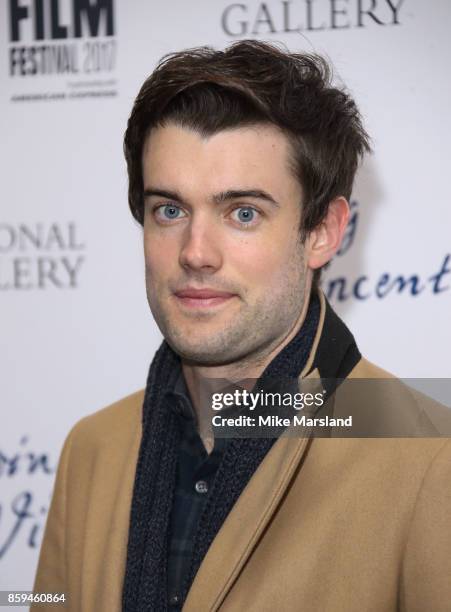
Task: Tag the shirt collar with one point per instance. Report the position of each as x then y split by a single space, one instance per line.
181 403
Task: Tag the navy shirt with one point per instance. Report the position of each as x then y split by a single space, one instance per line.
196 470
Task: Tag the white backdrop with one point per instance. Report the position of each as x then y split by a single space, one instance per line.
76 331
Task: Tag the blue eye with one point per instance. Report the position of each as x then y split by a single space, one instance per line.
245 214
171 212
168 212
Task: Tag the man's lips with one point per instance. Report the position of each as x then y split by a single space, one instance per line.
202 294
195 298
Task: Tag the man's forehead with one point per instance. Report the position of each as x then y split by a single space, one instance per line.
175 134
241 158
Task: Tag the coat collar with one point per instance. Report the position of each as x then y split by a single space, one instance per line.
333 354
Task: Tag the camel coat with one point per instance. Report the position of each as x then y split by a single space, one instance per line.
324 524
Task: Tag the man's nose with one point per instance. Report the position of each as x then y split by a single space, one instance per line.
201 246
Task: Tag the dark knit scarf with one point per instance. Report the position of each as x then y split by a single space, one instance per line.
145 583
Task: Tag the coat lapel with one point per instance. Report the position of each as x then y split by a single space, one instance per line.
244 525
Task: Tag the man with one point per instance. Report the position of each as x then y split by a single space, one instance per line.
241 165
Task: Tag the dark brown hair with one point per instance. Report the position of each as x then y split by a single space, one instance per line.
254 82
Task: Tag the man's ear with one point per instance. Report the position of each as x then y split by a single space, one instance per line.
324 241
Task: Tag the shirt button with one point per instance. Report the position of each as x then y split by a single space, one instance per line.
201 486
174 600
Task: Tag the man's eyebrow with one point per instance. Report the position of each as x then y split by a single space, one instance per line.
219 198
234 194
163 193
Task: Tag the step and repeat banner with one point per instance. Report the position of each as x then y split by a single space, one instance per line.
75 327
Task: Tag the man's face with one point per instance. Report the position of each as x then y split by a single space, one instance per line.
225 270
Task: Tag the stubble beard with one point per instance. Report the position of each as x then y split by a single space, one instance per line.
251 332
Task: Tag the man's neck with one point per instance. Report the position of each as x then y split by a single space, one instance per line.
202 380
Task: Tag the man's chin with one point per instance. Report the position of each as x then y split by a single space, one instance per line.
201 355
207 352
